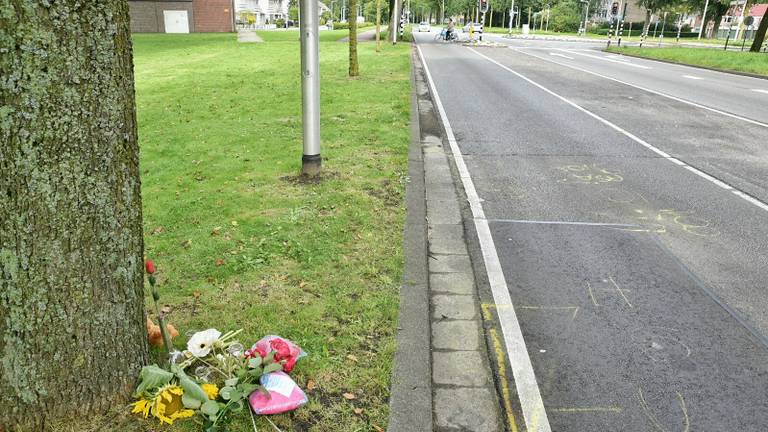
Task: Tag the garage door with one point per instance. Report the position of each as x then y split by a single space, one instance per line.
176 21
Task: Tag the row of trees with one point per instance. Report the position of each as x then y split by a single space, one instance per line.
565 15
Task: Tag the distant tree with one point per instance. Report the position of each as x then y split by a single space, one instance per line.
72 321
565 17
293 13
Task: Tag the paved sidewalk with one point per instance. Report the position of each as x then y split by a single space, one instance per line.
461 390
248 36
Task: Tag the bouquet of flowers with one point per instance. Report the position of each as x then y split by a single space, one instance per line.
216 375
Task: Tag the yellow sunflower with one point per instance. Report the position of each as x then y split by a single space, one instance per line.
141 406
167 405
211 390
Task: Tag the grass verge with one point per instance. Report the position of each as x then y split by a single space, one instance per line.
755 63
240 243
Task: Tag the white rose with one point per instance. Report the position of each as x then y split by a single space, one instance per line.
201 342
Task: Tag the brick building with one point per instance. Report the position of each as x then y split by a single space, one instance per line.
181 16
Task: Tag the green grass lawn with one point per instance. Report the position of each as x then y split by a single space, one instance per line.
240 244
756 63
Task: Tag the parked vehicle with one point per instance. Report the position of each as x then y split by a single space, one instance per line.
475 26
424 27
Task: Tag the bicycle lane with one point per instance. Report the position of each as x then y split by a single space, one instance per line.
621 333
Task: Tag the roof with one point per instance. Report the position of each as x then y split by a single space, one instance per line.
758 10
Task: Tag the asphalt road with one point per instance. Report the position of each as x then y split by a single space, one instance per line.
630 226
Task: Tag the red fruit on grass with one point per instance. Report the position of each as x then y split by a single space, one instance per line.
150 267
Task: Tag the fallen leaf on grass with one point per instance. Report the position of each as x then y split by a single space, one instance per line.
352 358
358 411
219 262
311 385
378 428
187 244
216 231
302 284
349 396
158 230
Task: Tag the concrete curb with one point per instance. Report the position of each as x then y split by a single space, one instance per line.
411 393
691 65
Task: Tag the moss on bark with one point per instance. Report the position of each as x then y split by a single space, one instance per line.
72 338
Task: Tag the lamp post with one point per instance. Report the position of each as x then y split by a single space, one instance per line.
703 18
310 87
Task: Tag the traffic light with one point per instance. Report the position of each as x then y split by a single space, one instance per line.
483 5
615 8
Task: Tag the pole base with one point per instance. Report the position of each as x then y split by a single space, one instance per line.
310 165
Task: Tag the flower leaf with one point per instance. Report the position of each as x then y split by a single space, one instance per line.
151 377
254 362
272 367
231 382
226 393
190 387
190 402
210 408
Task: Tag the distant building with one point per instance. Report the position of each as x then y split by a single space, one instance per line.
262 13
181 16
732 19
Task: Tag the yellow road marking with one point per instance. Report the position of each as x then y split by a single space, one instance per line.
501 358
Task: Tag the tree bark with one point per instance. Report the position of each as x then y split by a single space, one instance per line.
353 67
378 25
757 43
647 23
72 318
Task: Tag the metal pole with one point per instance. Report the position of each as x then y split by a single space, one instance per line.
741 23
621 24
442 14
310 87
395 22
703 18
511 16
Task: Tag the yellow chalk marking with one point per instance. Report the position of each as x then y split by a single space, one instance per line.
592 295
501 359
655 421
575 309
588 409
486 307
621 292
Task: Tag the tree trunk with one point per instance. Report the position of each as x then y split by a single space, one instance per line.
353 67
378 25
72 334
647 23
760 34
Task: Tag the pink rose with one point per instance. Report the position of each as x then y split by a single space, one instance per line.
281 348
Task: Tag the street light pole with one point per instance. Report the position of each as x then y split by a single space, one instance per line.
511 16
310 87
703 18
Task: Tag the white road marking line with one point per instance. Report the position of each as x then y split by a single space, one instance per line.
760 91
532 405
561 55
538 222
702 174
675 98
692 77
606 59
